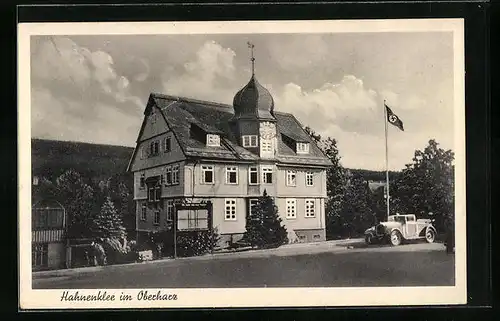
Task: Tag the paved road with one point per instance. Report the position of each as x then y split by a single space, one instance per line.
320 265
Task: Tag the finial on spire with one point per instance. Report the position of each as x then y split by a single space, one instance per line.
252 59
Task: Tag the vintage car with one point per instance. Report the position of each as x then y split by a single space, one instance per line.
399 228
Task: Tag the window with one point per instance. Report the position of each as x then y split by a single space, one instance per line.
154 148
157 192
144 152
142 180
249 140
156 220
170 210
253 176
154 194
252 203
168 175
151 194
175 174
207 174
143 212
309 178
310 208
231 175
213 140
167 144
267 175
39 255
266 146
291 178
230 209
291 208
302 148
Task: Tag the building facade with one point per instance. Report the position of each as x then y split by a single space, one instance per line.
48 236
192 150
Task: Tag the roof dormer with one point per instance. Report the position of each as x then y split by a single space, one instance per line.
302 147
213 140
211 137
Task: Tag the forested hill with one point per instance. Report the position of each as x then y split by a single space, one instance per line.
370 175
50 158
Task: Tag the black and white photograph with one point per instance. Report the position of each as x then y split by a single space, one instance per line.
225 164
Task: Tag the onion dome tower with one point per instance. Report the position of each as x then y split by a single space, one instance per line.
253 120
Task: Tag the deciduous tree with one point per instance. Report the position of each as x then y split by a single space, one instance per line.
427 184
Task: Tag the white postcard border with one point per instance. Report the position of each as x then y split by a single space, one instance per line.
248 297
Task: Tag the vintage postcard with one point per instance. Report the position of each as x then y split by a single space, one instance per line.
242 164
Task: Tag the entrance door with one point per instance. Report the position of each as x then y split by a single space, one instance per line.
39 255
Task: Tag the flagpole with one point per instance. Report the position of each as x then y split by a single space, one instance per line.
386 161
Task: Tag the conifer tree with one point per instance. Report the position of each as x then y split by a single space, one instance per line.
108 223
263 227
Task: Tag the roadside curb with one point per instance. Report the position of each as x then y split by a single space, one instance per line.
323 246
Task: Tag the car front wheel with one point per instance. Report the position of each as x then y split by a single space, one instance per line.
368 239
430 236
396 238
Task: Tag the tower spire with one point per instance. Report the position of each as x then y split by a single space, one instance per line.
252 59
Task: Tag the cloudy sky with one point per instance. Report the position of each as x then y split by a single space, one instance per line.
94 88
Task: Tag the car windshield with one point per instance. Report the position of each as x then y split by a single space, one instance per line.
400 219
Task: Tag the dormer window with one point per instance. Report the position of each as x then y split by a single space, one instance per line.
249 140
302 148
213 140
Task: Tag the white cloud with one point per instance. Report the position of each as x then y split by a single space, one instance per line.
54 118
209 76
347 104
61 64
78 95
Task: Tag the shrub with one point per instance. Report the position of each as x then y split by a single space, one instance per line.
195 243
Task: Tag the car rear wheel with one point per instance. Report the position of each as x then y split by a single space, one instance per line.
430 236
396 238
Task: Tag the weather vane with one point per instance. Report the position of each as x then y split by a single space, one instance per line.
252 59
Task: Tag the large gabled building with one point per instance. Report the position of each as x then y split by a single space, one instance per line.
196 150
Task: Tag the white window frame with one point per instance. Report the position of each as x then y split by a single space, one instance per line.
175 174
253 169
144 210
230 209
165 149
291 208
264 170
207 168
168 172
213 140
310 207
291 177
156 217
309 176
169 204
231 169
250 141
266 145
250 201
302 148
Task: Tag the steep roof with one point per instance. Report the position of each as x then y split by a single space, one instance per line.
182 113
